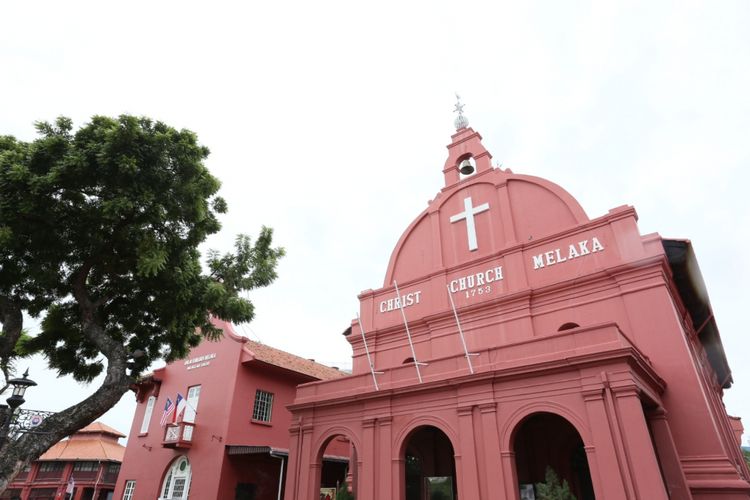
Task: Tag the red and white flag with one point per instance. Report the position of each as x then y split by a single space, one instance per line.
168 409
181 404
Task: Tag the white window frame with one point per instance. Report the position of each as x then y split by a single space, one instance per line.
191 403
166 491
147 414
263 406
129 490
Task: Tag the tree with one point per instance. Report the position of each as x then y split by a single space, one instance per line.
551 489
99 235
343 493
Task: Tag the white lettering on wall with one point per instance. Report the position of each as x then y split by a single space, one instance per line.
200 361
574 250
475 280
393 304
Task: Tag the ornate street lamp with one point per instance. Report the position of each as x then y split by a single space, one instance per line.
14 401
19 389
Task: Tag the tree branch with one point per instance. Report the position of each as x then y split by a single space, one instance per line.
11 317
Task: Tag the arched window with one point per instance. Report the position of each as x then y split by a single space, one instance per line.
177 481
568 326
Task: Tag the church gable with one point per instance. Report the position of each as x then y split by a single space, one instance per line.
540 208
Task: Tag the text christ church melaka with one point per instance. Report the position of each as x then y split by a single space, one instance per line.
514 334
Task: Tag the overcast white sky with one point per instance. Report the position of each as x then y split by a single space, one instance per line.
328 121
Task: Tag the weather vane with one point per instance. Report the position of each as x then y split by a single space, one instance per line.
461 121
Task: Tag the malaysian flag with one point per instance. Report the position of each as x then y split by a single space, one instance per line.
168 409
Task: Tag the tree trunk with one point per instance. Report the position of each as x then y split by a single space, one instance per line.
15 455
12 319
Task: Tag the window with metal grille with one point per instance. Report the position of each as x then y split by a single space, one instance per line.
51 466
167 484
85 466
129 490
179 487
262 407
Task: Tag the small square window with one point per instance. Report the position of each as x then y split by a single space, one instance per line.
262 407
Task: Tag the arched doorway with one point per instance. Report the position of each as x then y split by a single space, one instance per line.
546 440
176 482
430 467
338 468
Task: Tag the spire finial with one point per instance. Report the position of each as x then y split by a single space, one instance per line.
461 121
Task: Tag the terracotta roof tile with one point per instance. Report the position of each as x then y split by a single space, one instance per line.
96 441
98 427
85 449
289 361
277 357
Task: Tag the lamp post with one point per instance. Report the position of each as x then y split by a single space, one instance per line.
14 401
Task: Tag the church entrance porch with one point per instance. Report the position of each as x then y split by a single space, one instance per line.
546 441
430 469
482 436
335 474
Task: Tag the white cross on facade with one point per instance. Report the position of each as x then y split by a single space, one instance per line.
468 214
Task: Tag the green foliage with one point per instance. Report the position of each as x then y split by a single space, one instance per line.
100 229
343 493
746 453
551 489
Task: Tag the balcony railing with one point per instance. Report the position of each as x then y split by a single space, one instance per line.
178 435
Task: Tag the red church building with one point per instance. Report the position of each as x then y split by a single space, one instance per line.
514 334
229 437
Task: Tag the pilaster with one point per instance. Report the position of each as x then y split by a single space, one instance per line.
307 475
467 477
668 457
384 472
493 471
606 470
638 446
292 467
365 461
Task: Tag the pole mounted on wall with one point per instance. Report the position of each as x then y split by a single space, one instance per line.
461 332
369 359
408 333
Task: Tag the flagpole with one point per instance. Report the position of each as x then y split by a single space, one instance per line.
369 360
408 333
460 331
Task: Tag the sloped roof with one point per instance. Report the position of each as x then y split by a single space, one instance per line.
255 351
100 428
94 442
288 361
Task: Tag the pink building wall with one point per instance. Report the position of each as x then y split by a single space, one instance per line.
229 377
639 375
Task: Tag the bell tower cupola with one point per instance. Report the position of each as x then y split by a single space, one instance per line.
466 155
